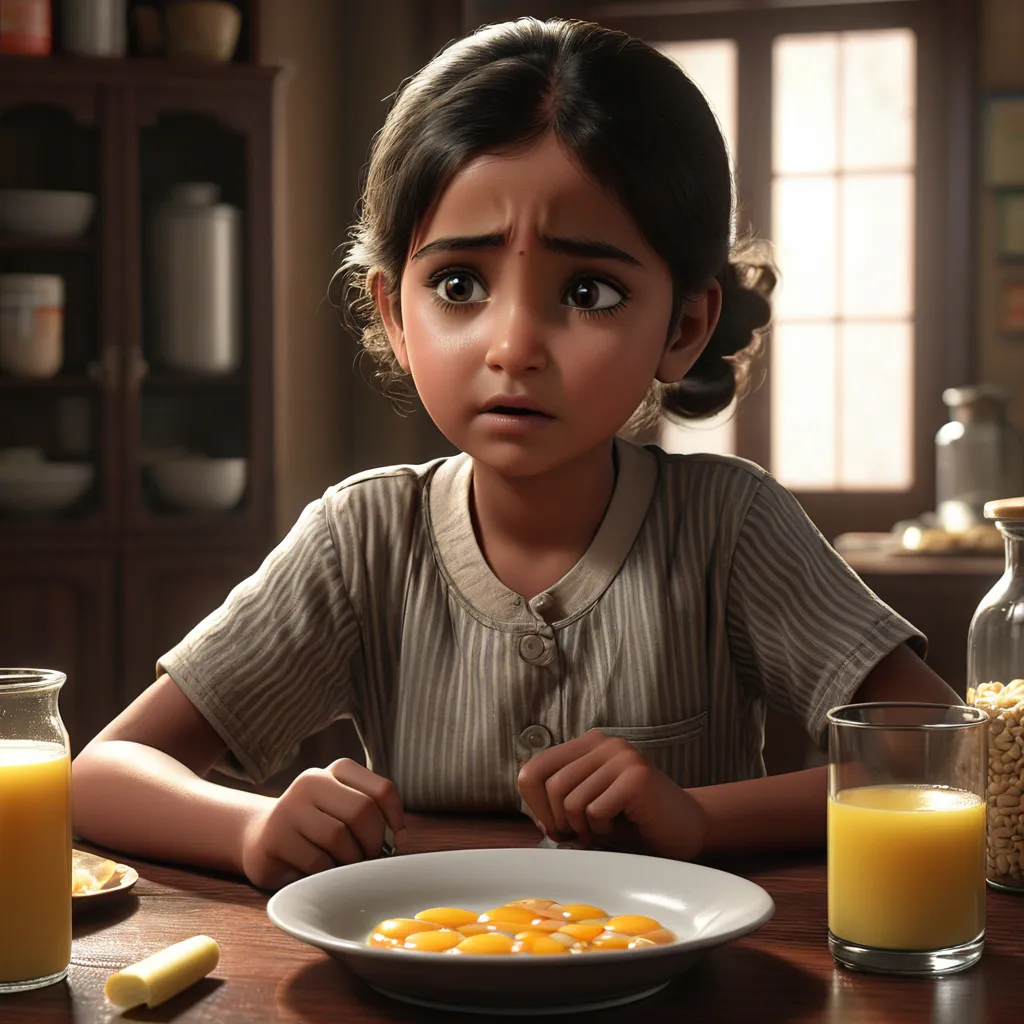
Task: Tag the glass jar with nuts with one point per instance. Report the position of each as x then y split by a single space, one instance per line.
995 683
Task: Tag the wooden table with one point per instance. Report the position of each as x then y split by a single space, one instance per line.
783 972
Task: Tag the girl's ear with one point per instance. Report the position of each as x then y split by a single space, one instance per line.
389 306
696 325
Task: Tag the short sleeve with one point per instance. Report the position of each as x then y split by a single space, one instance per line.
803 627
271 666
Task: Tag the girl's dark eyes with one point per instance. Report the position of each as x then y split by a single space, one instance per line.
587 294
593 295
458 287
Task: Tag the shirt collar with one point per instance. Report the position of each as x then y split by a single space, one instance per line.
462 562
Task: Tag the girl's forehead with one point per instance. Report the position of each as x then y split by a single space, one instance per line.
532 190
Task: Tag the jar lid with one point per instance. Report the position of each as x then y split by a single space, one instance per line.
1005 508
971 393
43 288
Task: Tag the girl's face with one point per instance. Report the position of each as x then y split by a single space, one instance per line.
533 316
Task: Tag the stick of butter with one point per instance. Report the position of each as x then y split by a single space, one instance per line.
164 974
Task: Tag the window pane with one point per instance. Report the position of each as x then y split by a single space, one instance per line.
804 405
804 214
711 63
878 245
805 104
843 221
878 99
876 416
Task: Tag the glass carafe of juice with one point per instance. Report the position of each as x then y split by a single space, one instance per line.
995 682
35 831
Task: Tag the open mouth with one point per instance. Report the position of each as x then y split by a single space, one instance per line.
508 410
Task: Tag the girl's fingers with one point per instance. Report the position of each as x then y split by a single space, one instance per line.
298 851
615 799
565 781
577 804
381 791
352 813
332 834
547 777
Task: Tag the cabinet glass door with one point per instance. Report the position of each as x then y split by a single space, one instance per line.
59 371
190 444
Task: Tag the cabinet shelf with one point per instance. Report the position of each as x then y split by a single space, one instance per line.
133 71
64 383
175 380
29 243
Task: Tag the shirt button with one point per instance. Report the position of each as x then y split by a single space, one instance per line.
531 647
536 737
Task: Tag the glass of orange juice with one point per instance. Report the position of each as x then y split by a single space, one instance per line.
35 831
906 836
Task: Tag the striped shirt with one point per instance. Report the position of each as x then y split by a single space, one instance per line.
705 595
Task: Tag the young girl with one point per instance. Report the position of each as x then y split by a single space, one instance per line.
556 620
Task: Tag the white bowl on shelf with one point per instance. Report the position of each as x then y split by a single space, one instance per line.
29 483
198 483
45 213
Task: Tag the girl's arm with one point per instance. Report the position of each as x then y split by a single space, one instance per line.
138 786
788 811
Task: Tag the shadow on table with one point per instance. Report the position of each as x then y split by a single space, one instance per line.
961 998
177 1005
729 984
91 918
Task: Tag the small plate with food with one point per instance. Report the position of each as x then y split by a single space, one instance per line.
519 931
98 878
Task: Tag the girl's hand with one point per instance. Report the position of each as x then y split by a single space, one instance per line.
601 790
327 816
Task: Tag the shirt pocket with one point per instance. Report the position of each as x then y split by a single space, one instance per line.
653 737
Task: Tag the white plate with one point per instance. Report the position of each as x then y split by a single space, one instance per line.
335 911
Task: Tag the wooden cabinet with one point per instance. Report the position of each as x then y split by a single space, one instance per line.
100 588
58 611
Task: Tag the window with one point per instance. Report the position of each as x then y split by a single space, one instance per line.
843 184
844 122
711 63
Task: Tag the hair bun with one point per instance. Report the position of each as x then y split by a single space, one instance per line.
723 370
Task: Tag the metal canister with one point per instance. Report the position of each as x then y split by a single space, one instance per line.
197 263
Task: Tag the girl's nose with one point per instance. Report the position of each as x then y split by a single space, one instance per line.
517 343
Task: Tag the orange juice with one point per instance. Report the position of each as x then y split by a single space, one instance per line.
906 867
35 860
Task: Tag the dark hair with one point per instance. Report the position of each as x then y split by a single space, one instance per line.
635 122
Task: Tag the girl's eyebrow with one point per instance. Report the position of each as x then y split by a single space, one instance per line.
573 246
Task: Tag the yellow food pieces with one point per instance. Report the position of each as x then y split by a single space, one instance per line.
532 926
439 941
89 872
508 915
396 930
447 917
489 944
540 944
632 924
581 912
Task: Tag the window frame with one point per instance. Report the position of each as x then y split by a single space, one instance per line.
944 287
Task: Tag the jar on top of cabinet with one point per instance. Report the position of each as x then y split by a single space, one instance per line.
995 683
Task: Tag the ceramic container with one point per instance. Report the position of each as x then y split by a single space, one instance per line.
197 281
202 29
95 28
31 324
